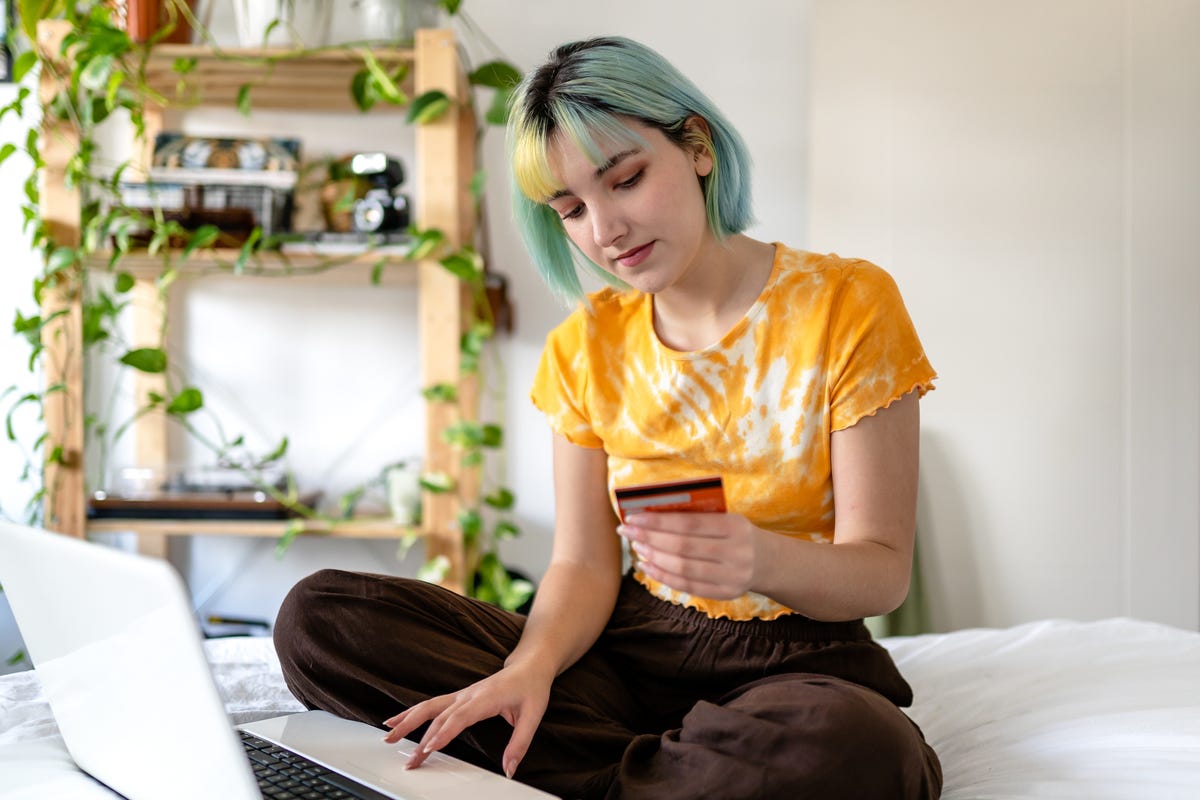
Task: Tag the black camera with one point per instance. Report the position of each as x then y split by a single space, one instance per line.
383 207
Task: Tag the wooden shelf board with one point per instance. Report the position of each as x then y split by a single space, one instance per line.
349 529
344 269
315 81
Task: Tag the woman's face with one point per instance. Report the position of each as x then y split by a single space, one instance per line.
640 214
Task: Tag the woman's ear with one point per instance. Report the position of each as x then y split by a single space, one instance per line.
697 141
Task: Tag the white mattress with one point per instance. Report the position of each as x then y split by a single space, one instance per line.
1103 710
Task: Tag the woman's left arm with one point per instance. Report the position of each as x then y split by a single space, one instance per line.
865 572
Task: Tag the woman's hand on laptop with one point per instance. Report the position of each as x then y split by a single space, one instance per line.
517 693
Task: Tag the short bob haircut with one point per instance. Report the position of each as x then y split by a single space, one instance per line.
581 90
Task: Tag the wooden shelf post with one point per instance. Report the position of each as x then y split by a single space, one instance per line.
63 337
446 155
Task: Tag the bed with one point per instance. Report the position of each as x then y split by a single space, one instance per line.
1102 710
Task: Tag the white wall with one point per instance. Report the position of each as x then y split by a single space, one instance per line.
1028 171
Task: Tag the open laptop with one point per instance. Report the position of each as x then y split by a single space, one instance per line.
119 655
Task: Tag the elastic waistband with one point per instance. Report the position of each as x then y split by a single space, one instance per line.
789 628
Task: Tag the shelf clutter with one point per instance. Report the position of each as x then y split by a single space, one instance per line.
441 199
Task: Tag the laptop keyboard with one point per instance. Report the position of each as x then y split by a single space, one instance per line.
283 775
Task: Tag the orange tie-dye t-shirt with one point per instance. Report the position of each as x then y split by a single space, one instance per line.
827 342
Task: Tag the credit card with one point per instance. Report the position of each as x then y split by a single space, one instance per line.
698 494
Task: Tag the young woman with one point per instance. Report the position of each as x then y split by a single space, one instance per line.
731 659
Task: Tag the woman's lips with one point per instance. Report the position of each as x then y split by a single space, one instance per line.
631 258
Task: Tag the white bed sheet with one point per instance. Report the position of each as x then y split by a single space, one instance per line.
1104 710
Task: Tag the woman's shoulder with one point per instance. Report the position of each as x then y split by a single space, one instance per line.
826 265
608 309
830 275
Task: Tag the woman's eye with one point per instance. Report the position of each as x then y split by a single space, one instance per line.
572 213
626 184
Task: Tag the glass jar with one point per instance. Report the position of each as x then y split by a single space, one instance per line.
391 22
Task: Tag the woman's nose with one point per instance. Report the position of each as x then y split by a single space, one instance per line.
607 226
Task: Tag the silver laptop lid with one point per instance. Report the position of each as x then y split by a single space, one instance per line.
118 652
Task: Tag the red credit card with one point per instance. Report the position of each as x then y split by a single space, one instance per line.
699 494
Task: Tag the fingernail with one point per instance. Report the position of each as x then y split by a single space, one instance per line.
510 767
639 549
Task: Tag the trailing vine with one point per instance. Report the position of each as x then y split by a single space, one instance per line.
105 72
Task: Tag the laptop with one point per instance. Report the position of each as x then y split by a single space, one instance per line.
119 655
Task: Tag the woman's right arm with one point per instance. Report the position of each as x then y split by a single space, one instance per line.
577 594
574 601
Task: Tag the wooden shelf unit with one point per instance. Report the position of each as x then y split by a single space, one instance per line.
312 82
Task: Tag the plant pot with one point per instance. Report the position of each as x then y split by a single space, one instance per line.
283 23
144 18
392 22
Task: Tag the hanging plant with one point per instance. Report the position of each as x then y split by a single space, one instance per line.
106 72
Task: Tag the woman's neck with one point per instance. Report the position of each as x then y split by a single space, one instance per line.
719 291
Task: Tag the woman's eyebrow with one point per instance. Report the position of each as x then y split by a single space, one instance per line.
613 161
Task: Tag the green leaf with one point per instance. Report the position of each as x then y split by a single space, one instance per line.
165 279
461 266
7 151
497 113
495 75
505 530
429 107
470 523
146 359
434 570
95 74
15 658
23 64
31 397
451 6
478 184
61 258
519 592
113 88
424 243
277 453
349 501
463 434
441 393
492 436
472 458
293 529
187 401
243 100
124 282
183 66
363 90
437 482
383 83
239 266
204 236
407 541
501 498
377 271
472 342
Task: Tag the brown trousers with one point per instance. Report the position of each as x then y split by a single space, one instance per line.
667 704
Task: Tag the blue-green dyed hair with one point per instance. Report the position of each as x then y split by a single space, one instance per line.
581 90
